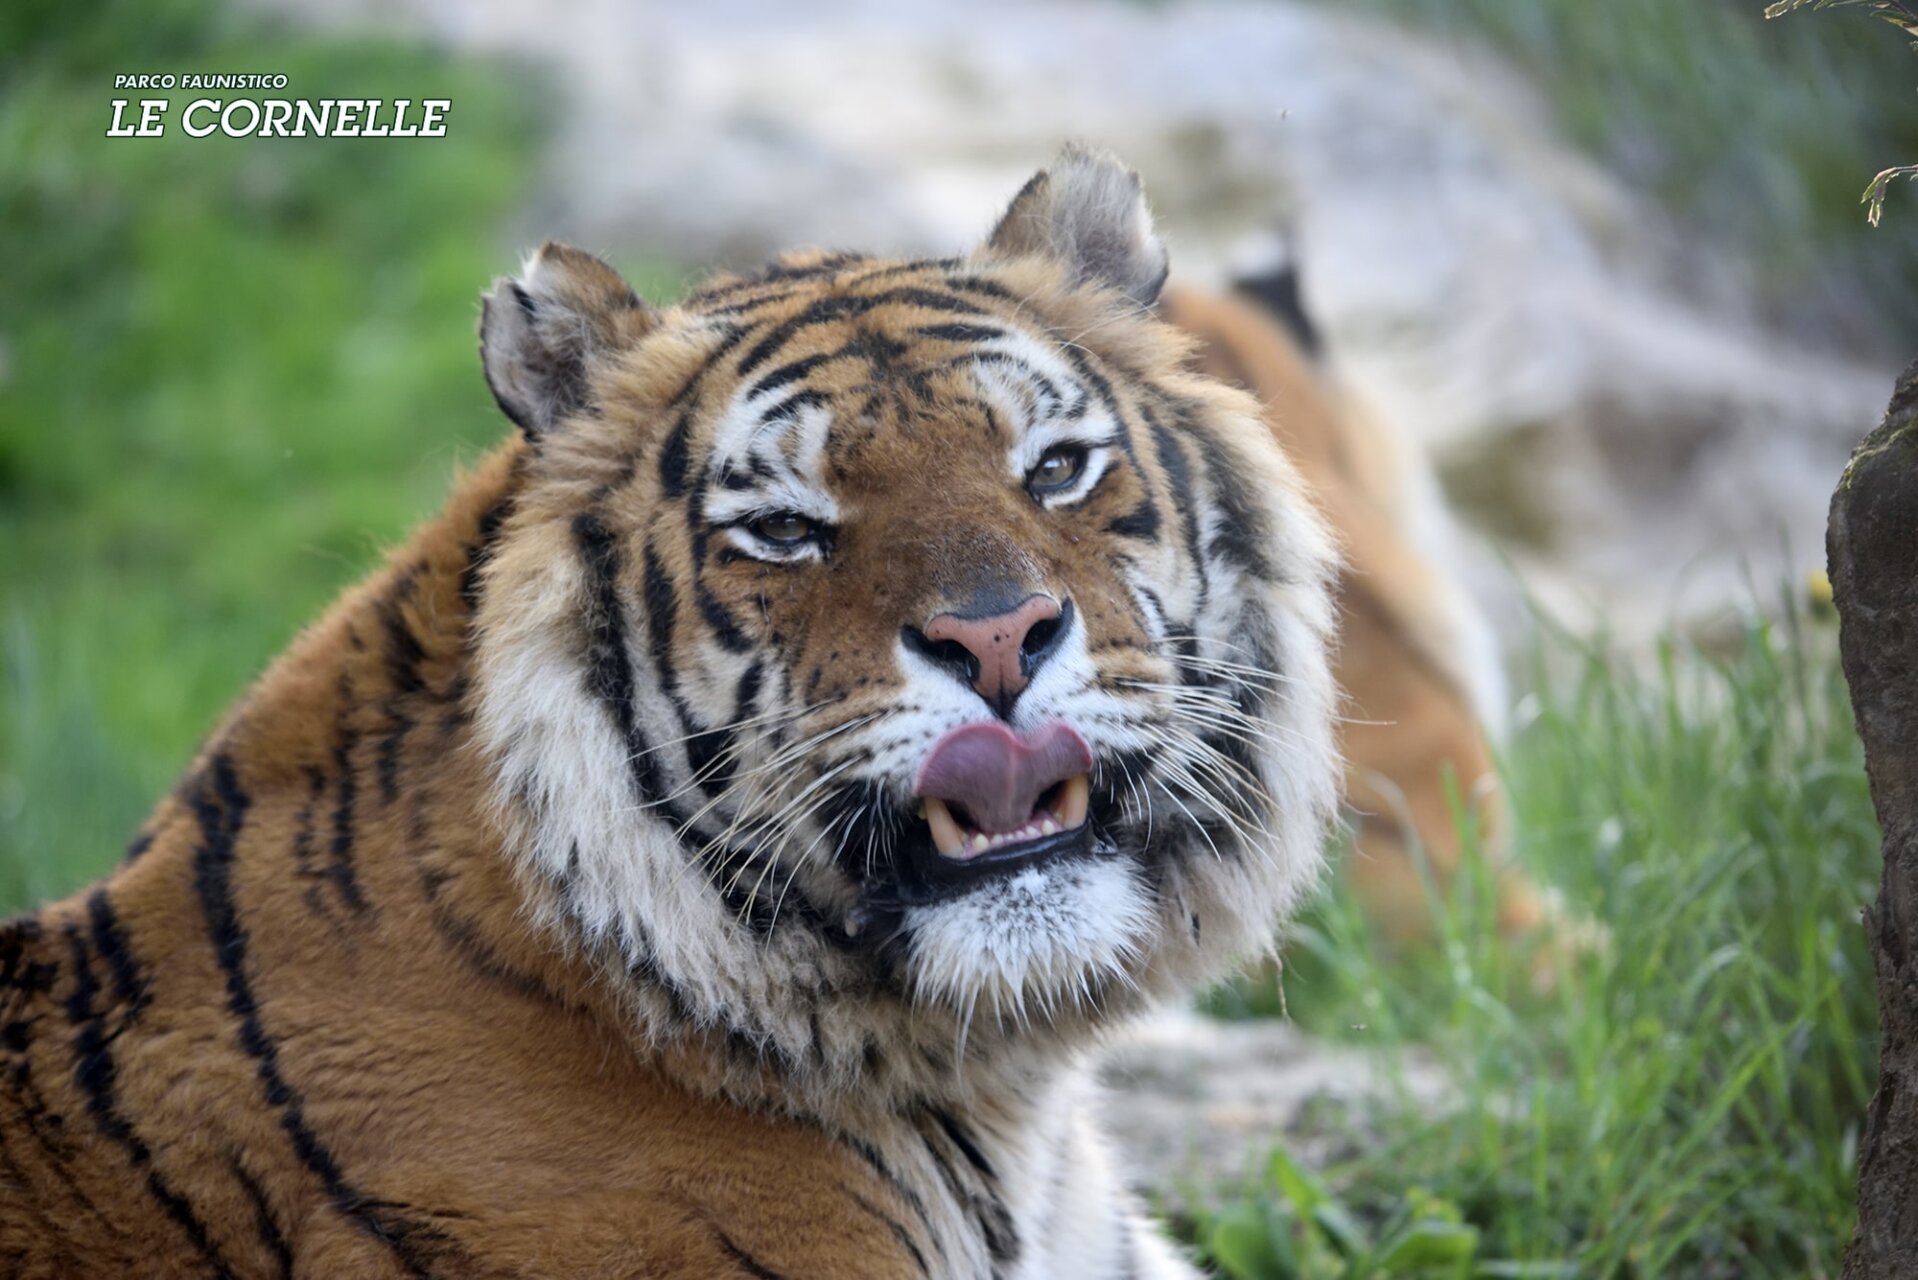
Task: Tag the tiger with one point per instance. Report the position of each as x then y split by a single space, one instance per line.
718 842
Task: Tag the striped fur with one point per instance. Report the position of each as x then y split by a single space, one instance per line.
539 912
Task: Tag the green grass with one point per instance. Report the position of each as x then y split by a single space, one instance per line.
233 369
1760 134
1689 1100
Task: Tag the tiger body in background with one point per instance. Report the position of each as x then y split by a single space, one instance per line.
713 845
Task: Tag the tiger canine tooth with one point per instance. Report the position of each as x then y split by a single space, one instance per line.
946 836
1074 799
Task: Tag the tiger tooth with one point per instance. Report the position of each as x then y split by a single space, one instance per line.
1074 799
982 841
946 836
1048 828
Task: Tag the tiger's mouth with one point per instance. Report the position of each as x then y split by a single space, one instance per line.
954 853
1062 808
993 802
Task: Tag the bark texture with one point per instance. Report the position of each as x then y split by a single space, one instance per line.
1872 544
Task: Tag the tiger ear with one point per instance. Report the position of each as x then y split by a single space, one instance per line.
542 331
1088 211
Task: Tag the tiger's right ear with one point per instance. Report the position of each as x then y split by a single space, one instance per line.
542 332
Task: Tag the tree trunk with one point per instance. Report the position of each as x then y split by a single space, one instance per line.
1873 549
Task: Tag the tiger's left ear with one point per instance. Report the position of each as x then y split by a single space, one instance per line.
1087 211
543 331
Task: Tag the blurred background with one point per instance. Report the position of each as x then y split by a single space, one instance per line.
1606 261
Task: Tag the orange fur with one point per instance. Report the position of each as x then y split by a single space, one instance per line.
463 1106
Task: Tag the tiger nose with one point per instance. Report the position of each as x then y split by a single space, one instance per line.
996 654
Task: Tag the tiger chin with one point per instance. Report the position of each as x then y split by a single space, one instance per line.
713 845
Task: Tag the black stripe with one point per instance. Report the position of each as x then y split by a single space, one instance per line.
726 629
789 408
1143 522
960 332
741 1259
387 758
95 1074
981 286
303 837
609 667
870 1154
662 620
1242 536
1102 388
1053 403
129 987
21 968
51 1134
662 615
404 653
1178 472
710 752
891 1224
996 1226
221 808
270 1234
956 1133
480 550
774 273
340 870
786 373
731 336
140 844
465 940
672 458
912 266
648 969
841 306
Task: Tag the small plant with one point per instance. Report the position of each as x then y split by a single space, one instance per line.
1292 1227
1899 14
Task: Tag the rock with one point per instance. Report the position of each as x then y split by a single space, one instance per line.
1873 546
1587 381
1197 1104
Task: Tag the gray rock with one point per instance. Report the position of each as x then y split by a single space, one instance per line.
1588 382
1198 1105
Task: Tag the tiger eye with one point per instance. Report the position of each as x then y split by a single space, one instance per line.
783 527
1058 467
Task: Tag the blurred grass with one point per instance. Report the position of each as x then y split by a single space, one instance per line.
1758 134
230 370
1689 1100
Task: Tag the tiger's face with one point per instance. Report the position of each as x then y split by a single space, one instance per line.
923 629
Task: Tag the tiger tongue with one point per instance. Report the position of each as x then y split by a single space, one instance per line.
998 777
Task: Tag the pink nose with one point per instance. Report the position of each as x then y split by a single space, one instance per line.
998 643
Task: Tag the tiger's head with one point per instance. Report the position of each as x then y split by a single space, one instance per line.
887 664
